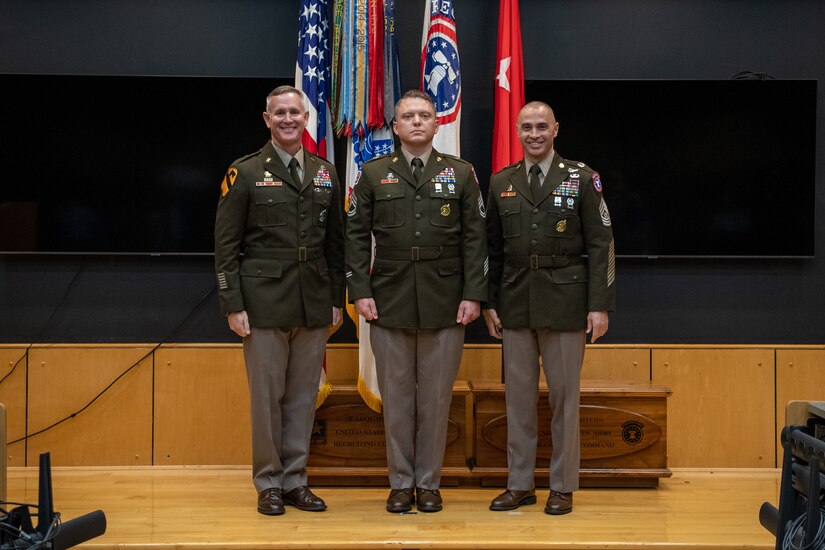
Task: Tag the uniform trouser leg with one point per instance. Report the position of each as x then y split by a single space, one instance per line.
416 370
394 351
439 358
283 369
521 381
562 353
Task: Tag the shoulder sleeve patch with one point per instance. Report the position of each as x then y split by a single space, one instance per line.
228 180
597 182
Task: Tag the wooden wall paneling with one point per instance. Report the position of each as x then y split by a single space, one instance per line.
483 362
201 406
800 375
605 363
478 362
721 412
13 397
116 430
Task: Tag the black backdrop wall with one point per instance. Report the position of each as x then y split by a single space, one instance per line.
143 299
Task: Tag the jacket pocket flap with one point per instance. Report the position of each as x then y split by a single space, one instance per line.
269 195
390 192
383 268
509 274
322 195
449 266
509 208
262 268
569 275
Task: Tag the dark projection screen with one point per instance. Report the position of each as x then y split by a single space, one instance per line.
133 164
696 168
122 164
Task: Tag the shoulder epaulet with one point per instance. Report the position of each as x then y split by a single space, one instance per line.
316 157
245 158
453 157
577 164
513 166
373 159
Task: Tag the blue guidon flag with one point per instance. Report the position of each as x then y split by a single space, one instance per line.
440 72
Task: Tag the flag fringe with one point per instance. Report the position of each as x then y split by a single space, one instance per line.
372 400
323 392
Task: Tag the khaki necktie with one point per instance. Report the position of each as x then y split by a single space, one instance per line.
535 182
293 171
418 169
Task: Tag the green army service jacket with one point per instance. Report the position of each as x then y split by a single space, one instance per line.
279 244
538 278
430 242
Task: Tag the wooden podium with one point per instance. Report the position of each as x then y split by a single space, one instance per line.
623 437
348 448
623 434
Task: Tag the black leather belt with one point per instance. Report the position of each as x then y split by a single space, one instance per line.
534 261
416 253
301 254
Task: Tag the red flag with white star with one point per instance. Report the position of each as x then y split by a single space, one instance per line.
509 90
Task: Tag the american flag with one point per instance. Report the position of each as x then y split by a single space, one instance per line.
312 75
312 78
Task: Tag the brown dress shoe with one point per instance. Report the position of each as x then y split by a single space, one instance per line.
428 500
559 503
510 500
270 502
400 500
304 499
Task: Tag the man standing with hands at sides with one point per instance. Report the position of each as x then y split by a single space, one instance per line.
426 214
544 212
281 208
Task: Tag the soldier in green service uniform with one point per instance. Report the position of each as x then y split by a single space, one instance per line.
425 211
544 213
279 257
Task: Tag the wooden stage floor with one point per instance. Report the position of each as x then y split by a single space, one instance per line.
213 508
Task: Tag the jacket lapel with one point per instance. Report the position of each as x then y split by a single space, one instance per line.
557 174
518 180
435 164
399 166
311 167
274 165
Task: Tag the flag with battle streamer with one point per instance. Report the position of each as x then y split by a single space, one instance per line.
366 85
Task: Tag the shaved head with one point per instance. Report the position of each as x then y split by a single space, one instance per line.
537 105
536 129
